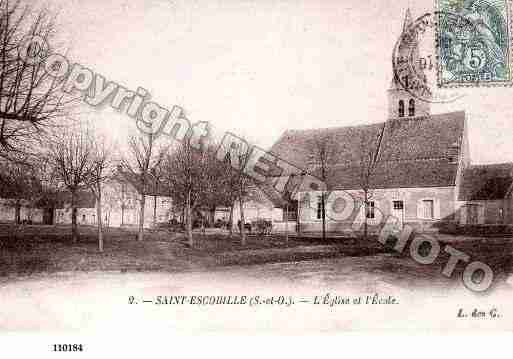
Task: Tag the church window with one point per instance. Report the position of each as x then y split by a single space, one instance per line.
401 108
411 108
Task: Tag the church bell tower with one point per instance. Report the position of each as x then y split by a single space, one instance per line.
403 103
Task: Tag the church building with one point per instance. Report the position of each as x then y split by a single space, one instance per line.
414 166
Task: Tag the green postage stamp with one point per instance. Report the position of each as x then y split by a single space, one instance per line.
474 45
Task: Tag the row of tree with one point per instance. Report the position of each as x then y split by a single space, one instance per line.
191 175
75 159
42 152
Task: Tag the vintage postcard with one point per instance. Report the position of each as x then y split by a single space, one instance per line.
282 167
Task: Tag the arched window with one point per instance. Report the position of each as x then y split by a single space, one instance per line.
401 108
411 108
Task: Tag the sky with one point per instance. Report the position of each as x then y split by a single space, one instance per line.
258 68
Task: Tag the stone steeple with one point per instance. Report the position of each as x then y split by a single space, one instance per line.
402 103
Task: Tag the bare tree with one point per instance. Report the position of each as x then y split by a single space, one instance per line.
185 175
229 190
217 183
238 183
144 157
368 153
117 196
20 183
72 155
30 99
322 150
99 173
156 178
112 199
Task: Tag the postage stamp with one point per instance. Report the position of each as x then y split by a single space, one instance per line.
473 43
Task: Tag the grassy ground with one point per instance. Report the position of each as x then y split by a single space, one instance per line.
47 249
35 249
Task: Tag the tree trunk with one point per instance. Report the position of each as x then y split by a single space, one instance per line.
122 205
323 209
154 211
30 214
74 228
140 234
189 219
242 223
212 219
298 214
366 204
17 212
287 223
230 222
99 214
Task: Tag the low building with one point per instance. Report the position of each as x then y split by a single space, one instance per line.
257 206
411 166
28 214
120 206
415 179
486 194
86 208
415 167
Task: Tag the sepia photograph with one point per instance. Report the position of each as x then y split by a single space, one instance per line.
238 166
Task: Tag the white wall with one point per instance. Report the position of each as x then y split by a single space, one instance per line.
7 212
254 210
112 214
445 208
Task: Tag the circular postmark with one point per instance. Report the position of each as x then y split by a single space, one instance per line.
416 57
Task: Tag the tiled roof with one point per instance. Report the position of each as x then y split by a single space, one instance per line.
265 192
396 174
154 188
294 145
486 182
414 152
83 199
422 138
